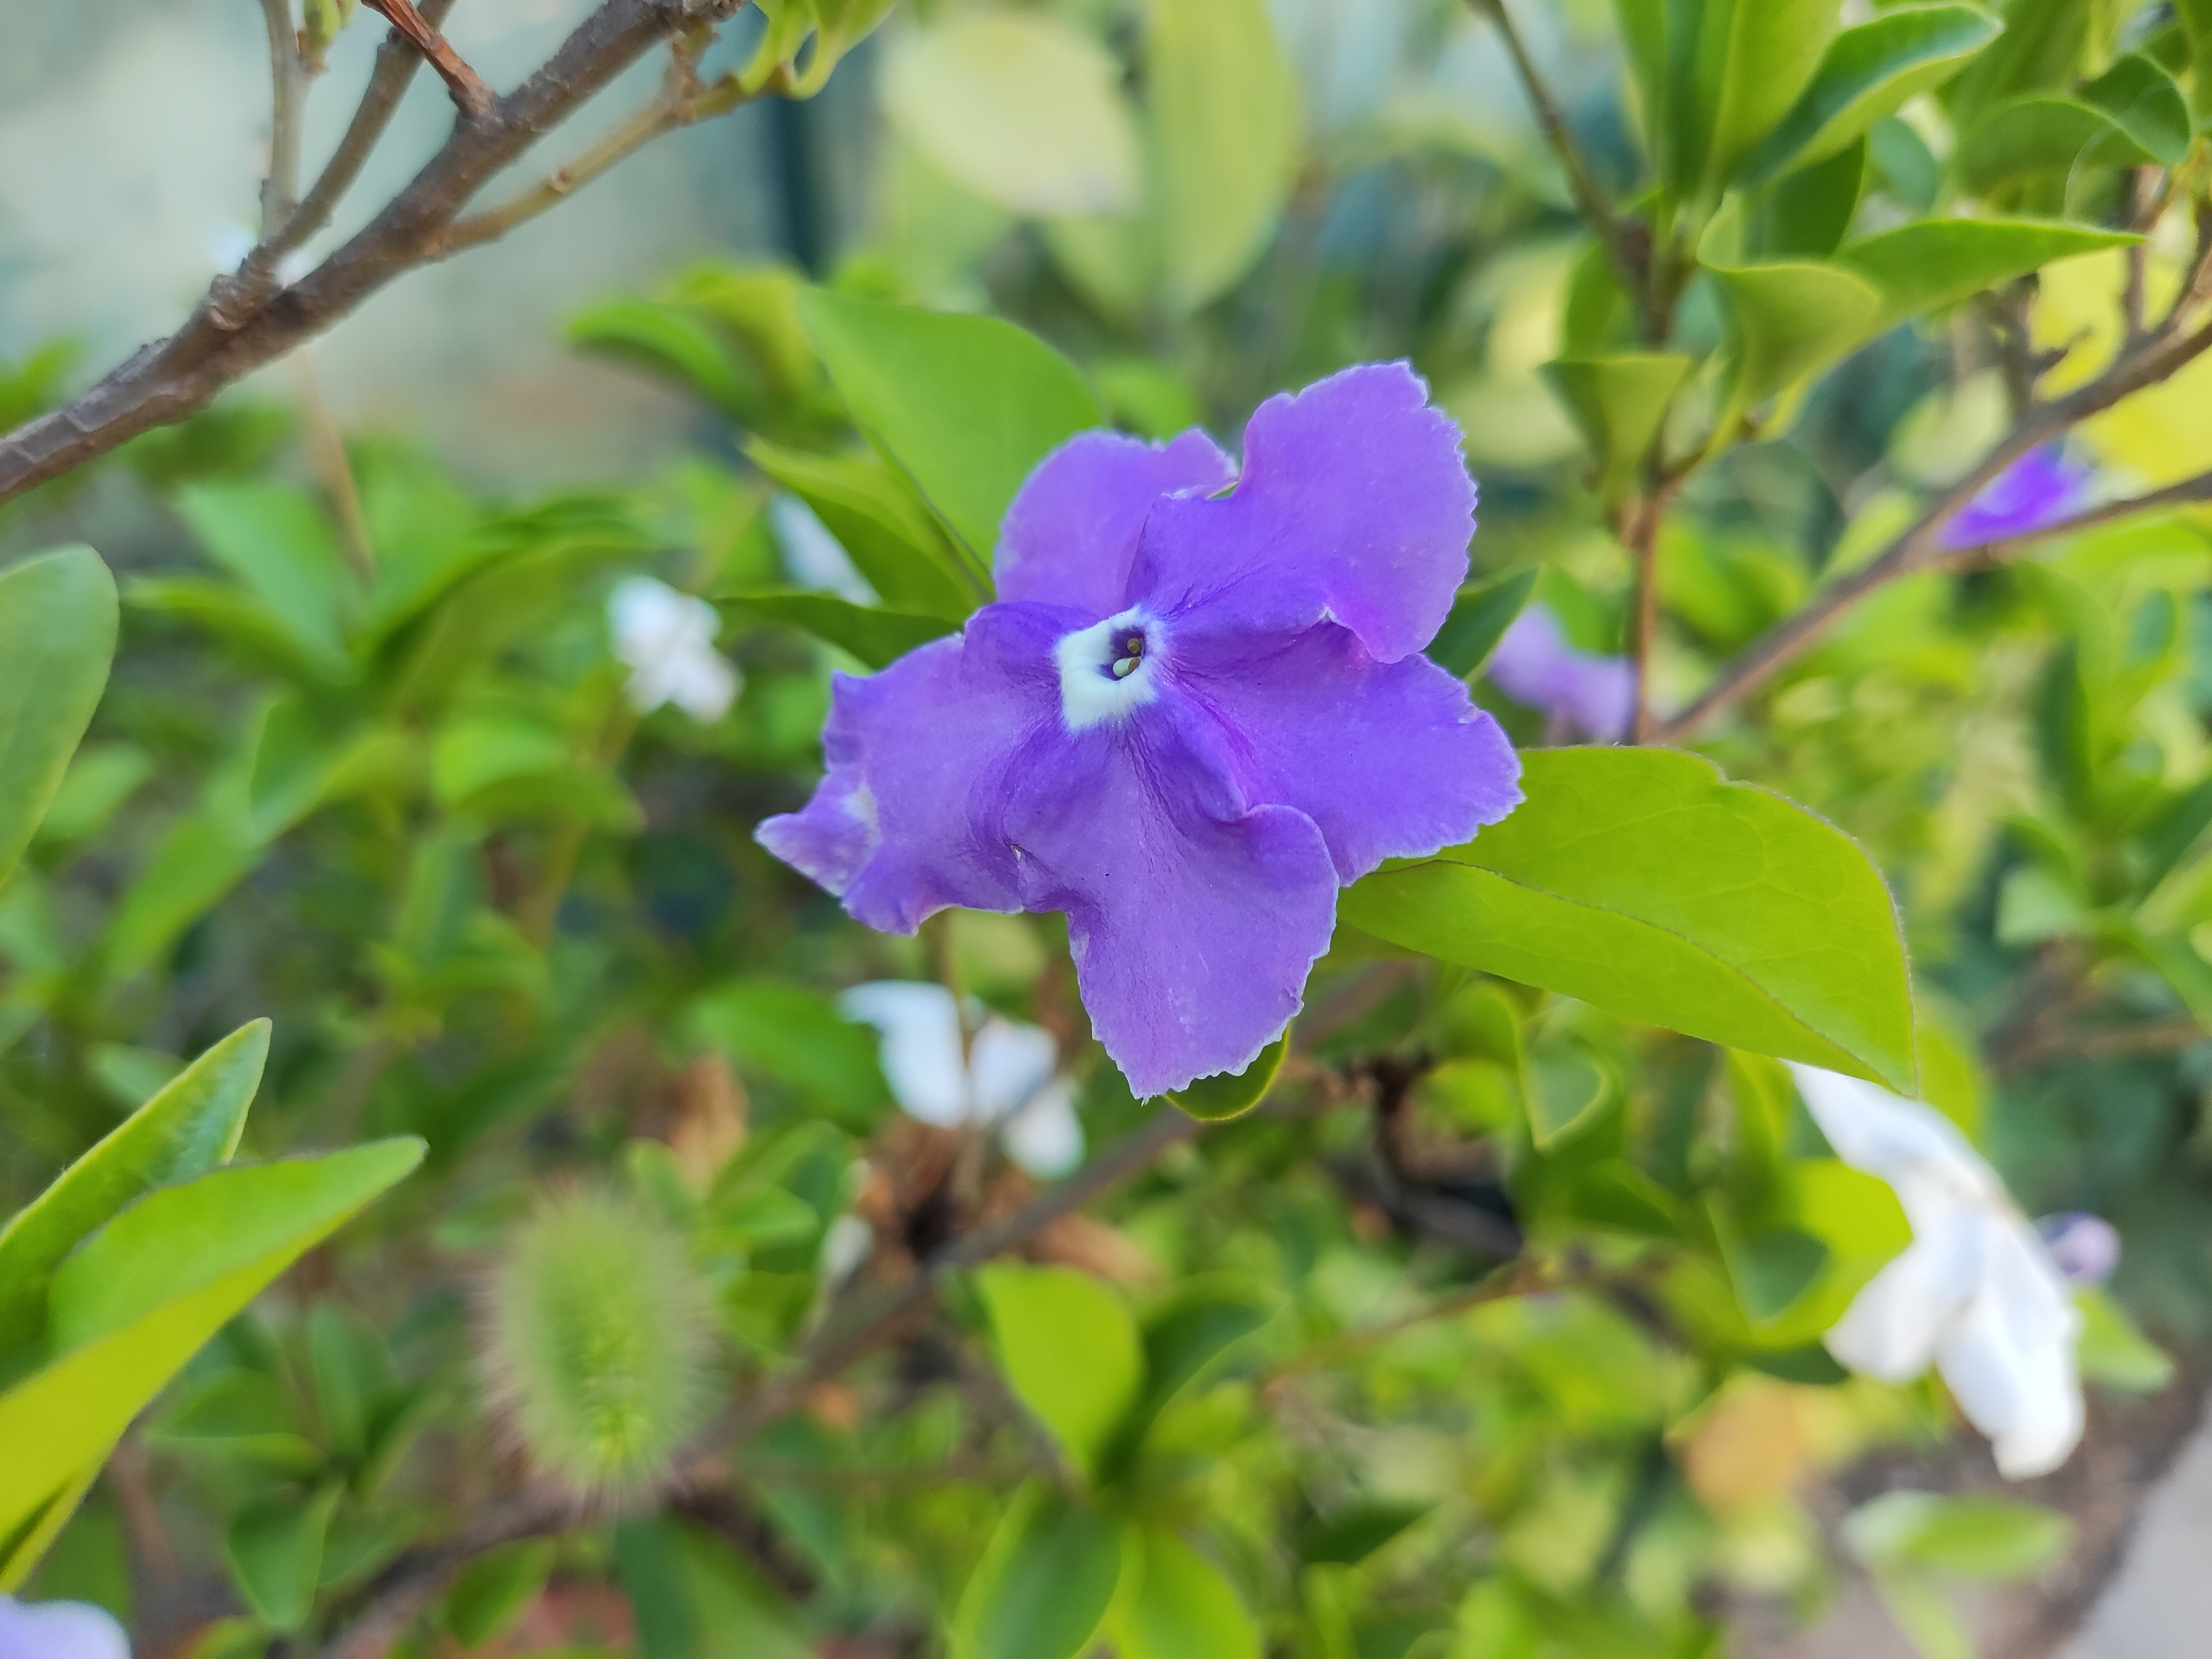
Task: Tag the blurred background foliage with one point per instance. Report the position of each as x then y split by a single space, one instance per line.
367 767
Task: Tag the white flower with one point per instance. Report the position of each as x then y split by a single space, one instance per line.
1008 1078
667 641
1976 1291
58 1630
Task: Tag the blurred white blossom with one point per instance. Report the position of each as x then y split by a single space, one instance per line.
58 1630
1009 1077
1976 1291
667 639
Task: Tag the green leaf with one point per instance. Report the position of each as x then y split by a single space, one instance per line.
1620 404
1478 620
190 1128
674 341
102 777
1350 1536
2044 134
877 638
1643 881
57 636
1565 1089
1045 1582
1924 267
241 1414
798 1037
964 406
2196 24
1869 72
495 1589
2146 104
276 542
1792 320
1750 61
1181 1342
1019 109
1183 1606
1225 1095
1987 1538
139 1297
1223 102
1069 1351
2113 1351
1807 215
276 1556
875 519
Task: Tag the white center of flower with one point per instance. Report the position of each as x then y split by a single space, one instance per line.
1107 670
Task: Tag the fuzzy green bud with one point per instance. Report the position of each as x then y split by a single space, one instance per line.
596 1343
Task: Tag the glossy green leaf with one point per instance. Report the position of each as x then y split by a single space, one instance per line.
798 1037
190 1128
1565 1089
1068 1349
877 638
2046 134
275 1552
964 406
1642 881
1867 72
1043 1586
57 616
140 1297
1793 320
1620 404
1924 267
1751 61
2195 17
1183 1606
1018 109
1183 1341
875 519
1225 1095
1224 103
2146 104
1478 621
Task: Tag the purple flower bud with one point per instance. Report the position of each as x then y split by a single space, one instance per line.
1194 713
2039 488
58 1630
1592 695
2084 1248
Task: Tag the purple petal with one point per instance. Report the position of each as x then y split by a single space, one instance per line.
2039 488
58 1630
1392 760
903 822
1535 665
1071 535
1354 506
2084 1248
1193 920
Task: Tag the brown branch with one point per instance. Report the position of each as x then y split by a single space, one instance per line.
287 89
470 95
399 1595
396 61
235 330
1640 535
1921 547
1581 184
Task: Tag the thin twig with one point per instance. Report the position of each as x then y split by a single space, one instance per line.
1581 184
470 95
1515 1279
287 88
327 448
396 62
235 330
1921 547
1640 535
680 103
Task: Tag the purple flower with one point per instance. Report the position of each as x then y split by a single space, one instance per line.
2086 1248
1591 694
58 1630
2039 488
1192 715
